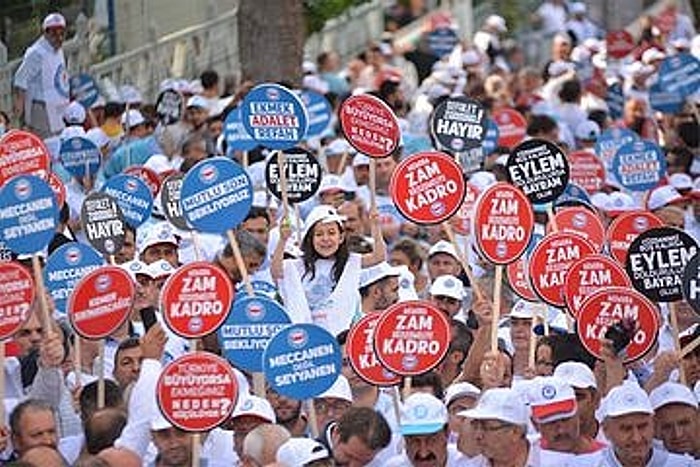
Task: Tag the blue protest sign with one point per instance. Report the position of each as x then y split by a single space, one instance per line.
80 156
64 269
244 336
665 101
441 41
615 99
274 116
680 73
302 361
261 288
639 166
610 141
28 214
216 195
319 111
490 142
237 138
84 89
133 197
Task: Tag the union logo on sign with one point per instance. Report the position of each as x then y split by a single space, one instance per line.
103 283
579 220
255 311
437 209
23 189
73 255
75 142
195 324
641 224
409 362
272 94
208 174
131 186
297 338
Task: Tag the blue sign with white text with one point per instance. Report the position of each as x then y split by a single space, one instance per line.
639 166
665 101
216 195
616 100
84 89
244 336
441 41
274 116
28 214
237 138
133 197
302 361
65 267
80 156
320 113
609 142
680 73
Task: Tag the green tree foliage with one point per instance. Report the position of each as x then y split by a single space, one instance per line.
317 12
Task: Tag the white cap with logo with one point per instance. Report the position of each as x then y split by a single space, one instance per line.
504 404
422 414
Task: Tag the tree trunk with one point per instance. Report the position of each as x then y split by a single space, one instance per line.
271 40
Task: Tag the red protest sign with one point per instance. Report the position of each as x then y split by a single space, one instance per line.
589 275
427 187
503 222
619 44
359 348
586 170
511 126
22 153
16 297
517 273
101 302
196 300
59 189
462 220
369 125
625 228
612 305
582 222
197 392
149 176
411 337
550 261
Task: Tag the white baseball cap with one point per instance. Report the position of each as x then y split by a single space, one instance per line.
338 147
504 404
98 136
132 118
360 159
625 399
53 20
162 232
577 374
159 422
256 407
323 214
619 202
663 196
422 414
74 113
159 163
681 181
551 399
372 274
578 8
482 179
296 452
339 390
652 54
159 269
527 310
330 182
407 289
447 286
672 393
197 101
443 246
130 94
459 390
135 267
587 130
497 22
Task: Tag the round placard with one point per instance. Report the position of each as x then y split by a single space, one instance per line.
540 169
625 228
23 153
303 175
17 293
103 223
369 125
588 275
459 124
359 348
274 116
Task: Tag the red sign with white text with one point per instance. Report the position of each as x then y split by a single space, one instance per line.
101 302
369 125
59 189
586 170
359 348
197 392
550 261
16 297
412 337
582 222
149 177
463 218
589 275
428 187
517 272
625 228
196 300
619 44
612 305
503 223
23 153
511 126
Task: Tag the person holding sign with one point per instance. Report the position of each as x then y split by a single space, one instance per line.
328 274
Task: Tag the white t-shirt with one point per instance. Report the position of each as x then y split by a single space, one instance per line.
553 18
606 458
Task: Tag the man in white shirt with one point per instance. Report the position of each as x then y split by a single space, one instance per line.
41 81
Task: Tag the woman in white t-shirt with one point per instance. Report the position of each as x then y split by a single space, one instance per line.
327 273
